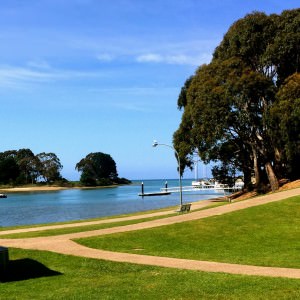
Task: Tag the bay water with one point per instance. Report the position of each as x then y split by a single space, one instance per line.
79 204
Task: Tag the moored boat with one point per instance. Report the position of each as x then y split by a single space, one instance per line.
208 184
3 196
215 185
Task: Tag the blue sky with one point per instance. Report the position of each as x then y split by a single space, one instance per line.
81 76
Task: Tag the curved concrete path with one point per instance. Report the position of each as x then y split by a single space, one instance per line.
63 243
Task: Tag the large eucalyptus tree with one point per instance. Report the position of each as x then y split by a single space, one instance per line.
230 101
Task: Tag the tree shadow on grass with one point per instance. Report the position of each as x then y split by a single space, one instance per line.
23 269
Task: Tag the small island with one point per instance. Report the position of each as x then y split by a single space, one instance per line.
99 169
22 171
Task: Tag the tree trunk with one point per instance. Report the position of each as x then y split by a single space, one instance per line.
272 177
247 178
256 168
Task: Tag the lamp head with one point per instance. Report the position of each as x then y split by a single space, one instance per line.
155 143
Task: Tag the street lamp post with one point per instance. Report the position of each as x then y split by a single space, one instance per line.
155 144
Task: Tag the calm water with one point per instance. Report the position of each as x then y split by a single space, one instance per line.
75 204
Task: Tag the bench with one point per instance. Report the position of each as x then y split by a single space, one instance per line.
184 208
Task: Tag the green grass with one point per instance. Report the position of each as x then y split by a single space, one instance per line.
52 232
267 235
44 275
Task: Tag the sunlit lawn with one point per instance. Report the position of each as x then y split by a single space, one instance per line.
267 235
44 275
51 232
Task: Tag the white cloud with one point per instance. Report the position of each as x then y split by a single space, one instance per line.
177 59
150 57
21 74
191 51
15 77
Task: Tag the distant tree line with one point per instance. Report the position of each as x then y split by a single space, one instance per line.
19 167
23 167
242 109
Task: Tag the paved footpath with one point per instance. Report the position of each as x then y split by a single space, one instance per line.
64 244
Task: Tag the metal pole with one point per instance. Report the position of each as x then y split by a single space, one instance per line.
180 182
179 169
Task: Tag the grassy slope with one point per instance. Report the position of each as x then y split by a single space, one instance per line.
52 232
267 235
43 275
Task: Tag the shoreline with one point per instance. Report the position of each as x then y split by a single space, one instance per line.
33 189
51 188
46 188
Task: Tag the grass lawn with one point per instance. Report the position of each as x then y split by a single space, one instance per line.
51 232
267 235
44 275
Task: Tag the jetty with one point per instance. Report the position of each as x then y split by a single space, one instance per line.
207 188
155 194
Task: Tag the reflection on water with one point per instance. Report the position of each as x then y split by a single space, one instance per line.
76 204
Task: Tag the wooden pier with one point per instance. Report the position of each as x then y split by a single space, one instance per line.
155 194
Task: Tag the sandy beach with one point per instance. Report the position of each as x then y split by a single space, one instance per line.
32 189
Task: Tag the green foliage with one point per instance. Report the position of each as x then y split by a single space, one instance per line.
98 169
9 170
285 122
50 166
29 165
123 180
230 100
23 167
247 39
284 50
182 99
224 173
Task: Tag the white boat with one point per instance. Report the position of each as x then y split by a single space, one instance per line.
3 196
239 184
215 185
202 184
207 184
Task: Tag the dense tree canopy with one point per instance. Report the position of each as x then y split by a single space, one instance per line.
232 106
18 167
22 167
9 170
98 169
50 166
285 123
